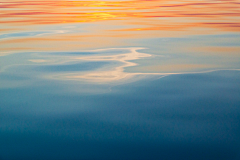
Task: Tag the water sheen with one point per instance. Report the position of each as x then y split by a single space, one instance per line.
127 80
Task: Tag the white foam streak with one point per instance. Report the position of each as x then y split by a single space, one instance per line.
113 73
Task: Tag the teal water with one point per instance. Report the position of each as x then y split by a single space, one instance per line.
127 80
194 116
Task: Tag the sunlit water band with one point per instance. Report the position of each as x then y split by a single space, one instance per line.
178 37
84 79
83 24
95 66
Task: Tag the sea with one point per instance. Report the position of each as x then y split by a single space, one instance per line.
120 80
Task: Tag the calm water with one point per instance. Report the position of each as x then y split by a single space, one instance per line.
120 80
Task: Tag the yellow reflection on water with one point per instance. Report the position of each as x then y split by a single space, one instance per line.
122 19
62 25
110 73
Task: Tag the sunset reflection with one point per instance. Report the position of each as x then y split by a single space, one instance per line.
114 62
216 14
119 79
111 73
49 26
130 17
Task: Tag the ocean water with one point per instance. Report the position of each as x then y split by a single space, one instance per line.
119 80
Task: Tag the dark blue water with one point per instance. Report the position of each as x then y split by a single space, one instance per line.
119 80
187 117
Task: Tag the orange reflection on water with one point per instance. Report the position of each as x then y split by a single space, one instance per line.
113 21
110 73
61 25
216 14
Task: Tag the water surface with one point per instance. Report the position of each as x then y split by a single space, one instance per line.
119 80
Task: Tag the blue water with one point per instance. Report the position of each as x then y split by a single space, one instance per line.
119 80
193 116
114 104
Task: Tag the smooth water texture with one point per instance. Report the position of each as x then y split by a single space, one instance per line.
127 80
